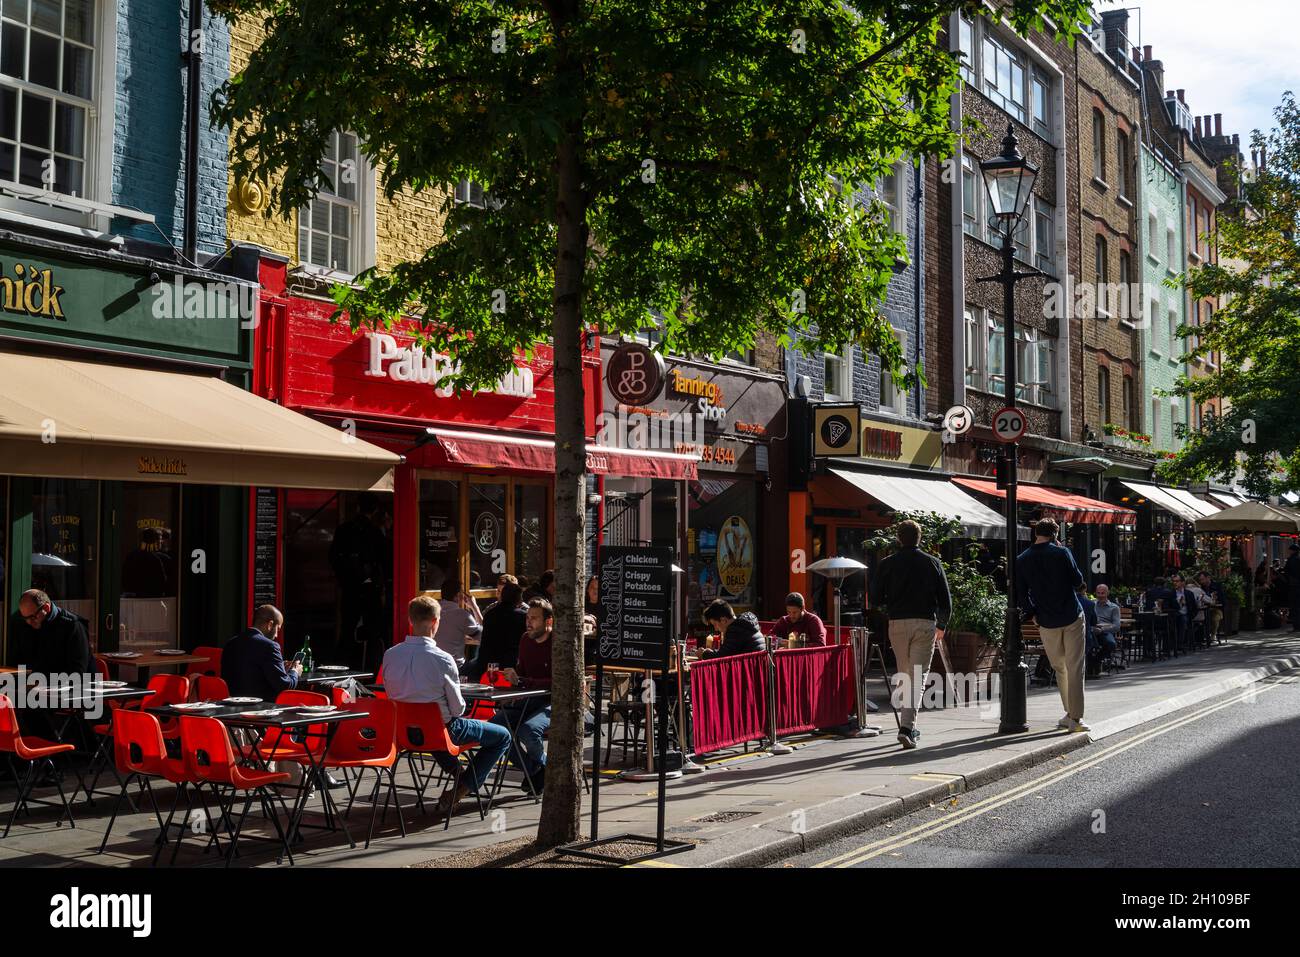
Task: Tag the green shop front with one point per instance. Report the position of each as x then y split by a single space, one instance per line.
129 442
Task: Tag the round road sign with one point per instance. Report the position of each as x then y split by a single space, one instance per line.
1009 425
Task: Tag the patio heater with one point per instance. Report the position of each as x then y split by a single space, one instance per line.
837 569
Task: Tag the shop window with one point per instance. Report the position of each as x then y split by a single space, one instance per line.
439 532
47 65
531 531
147 537
722 522
65 546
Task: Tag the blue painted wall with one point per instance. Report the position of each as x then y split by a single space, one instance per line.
149 122
899 307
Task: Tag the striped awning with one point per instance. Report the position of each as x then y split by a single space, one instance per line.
1062 506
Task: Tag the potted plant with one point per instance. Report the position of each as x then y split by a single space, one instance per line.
1234 593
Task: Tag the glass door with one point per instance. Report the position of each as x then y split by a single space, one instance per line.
65 546
147 524
489 549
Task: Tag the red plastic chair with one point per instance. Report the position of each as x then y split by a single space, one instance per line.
167 689
283 745
210 688
211 667
210 759
36 752
367 743
421 730
101 668
485 710
141 754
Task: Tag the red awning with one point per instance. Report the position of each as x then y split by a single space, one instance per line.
1065 506
501 451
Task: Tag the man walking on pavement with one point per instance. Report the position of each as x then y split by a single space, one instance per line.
1046 582
913 590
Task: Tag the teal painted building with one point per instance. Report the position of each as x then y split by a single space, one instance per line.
1160 209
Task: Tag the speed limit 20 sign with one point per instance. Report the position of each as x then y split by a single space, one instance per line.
1009 425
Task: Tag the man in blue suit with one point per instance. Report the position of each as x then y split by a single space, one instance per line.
251 662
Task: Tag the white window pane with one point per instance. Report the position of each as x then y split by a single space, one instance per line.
341 257
340 220
79 20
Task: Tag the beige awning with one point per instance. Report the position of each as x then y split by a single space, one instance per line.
63 418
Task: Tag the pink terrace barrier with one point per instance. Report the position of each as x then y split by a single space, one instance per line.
729 700
814 688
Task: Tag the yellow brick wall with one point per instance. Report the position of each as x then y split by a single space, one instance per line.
404 228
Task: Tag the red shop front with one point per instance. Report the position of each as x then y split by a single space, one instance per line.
474 497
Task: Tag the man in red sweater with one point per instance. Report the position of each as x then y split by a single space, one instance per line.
532 670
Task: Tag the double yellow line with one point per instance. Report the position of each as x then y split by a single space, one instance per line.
919 833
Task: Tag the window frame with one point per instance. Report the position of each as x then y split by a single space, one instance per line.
1103 394
361 215
1122 148
1098 145
843 375
97 128
896 403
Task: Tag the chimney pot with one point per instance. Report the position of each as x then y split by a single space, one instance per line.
1137 54
1218 124
1180 97
1236 139
1146 52
1198 127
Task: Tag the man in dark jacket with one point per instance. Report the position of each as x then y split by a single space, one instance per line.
251 662
47 639
1047 579
739 635
910 585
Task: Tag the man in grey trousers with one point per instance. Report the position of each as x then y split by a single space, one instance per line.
913 590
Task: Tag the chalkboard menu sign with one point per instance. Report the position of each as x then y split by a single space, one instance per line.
635 605
266 534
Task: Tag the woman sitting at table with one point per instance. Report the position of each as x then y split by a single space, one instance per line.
504 625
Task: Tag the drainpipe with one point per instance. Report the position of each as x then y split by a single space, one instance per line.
192 57
917 267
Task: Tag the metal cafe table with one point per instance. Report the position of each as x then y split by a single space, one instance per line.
513 718
267 716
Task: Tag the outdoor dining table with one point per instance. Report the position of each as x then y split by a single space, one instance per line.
331 676
284 718
146 661
513 717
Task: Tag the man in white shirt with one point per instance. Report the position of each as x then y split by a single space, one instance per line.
417 671
459 619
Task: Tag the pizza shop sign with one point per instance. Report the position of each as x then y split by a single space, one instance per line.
410 364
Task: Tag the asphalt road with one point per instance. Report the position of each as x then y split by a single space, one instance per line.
1214 785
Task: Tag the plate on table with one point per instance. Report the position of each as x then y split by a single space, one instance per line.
331 667
109 684
196 705
315 708
474 687
120 654
241 700
171 651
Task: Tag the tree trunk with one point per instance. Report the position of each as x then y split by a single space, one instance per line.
562 799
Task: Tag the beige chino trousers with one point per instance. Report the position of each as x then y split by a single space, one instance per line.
913 642
1065 650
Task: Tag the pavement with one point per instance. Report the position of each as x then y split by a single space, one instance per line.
746 809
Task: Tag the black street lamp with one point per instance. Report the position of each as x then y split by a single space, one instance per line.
1009 179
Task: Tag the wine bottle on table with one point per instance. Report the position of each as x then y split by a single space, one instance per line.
307 663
